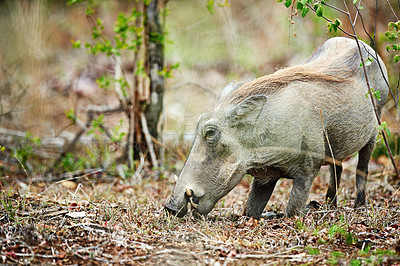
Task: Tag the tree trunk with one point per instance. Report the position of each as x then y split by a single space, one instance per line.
155 56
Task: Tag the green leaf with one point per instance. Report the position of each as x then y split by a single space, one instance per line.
299 6
2 148
288 3
396 58
305 11
377 95
355 2
210 6
76 44
368 61
319 11
71 115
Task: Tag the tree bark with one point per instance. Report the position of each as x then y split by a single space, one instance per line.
155 54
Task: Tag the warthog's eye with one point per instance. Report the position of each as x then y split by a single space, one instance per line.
210 134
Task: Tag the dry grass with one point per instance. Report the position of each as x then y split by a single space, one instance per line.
90 221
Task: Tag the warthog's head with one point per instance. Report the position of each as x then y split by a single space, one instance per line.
218 158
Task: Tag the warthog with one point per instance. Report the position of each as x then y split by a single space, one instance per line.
286 124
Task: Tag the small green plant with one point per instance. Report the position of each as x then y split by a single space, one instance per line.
335 256
341 231
300 225
27 150
355 262
117 133
313 251
69 163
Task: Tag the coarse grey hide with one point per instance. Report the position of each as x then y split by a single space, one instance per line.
286 124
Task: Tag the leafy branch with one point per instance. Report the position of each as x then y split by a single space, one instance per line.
318 7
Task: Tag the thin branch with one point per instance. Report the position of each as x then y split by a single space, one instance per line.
370 91
188 83
397 18
335 8
327 19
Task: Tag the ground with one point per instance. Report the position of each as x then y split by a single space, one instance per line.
99 219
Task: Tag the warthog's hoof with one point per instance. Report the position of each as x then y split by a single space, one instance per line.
272 215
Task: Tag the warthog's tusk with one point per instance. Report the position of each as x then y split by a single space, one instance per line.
175 178
188 191
194 205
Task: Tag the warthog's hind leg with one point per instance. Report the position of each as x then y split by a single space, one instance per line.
334 182
362 172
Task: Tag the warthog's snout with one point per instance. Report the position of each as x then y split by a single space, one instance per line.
180 210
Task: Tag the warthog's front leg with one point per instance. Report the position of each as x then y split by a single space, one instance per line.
299 195
260 193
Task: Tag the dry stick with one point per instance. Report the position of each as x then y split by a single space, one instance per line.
149 141
369 89
333 157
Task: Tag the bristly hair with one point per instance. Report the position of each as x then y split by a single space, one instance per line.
281 78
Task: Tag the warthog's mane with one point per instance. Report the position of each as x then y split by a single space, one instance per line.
280 79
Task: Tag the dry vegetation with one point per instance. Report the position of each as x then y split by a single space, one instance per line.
106 216
91 220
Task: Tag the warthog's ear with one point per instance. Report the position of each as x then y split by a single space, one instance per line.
249 110
229 89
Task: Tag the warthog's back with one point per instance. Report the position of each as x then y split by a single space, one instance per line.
330 83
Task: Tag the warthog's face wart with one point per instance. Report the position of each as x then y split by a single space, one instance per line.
217 160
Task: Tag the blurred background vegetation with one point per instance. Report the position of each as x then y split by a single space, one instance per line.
43 78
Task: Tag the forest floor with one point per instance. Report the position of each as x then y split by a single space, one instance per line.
95 219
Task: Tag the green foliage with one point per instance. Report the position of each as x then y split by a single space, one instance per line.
375 94
7 204
300 225
335 255
2 148
392 35
167 70
313 251
103 82
355 262
333 26
26 151
69 163
365 251
97 124
384 127
117 132
70 114
341 231
211 4
76 44
368 62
